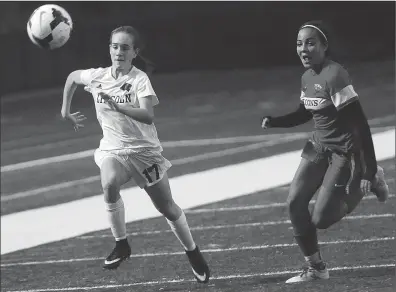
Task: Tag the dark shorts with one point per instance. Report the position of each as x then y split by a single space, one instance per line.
343 172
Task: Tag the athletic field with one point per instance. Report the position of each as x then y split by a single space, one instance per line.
229 175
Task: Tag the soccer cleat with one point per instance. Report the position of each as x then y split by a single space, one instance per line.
120 253
311 273
380 188
198 265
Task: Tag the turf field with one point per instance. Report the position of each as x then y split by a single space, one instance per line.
210 128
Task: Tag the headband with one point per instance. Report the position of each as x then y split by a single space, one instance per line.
315 27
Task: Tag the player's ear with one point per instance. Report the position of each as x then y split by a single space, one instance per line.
137 50
325 47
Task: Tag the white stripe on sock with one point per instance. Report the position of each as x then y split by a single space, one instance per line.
182 231
116 216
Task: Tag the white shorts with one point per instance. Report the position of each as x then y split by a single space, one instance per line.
146 167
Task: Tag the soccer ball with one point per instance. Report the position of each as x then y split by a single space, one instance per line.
49 26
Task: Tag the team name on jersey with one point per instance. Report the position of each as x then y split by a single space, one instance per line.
117 98
314 103
124 98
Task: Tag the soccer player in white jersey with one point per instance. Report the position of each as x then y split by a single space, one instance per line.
130 149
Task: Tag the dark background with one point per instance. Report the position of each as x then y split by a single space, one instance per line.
191 36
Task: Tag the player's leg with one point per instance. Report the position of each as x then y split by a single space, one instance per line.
340 192
113 175
149 172
161 196
379 186
306 182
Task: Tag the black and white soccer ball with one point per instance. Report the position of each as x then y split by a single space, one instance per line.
49 26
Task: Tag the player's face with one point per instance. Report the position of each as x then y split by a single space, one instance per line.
310 49
122 50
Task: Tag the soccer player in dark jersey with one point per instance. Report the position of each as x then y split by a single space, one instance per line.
338 160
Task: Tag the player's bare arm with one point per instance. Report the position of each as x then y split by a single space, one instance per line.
144 114
72 81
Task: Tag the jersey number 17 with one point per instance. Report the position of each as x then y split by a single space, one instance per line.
148 172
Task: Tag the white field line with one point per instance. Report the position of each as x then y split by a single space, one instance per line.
48 160
258 207
69 184
239 225
55 187
231 249
180 161
214 278
378 121
228 140
182 143
53 223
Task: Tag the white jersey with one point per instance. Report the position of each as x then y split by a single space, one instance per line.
120 132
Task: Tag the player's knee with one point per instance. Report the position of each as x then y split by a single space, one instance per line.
169 209
321 220
295 205
326 216
110 189
109 185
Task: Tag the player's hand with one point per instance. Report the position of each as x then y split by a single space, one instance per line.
365 186
76 119
265 122
112 104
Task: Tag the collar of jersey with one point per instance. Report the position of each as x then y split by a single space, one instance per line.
111 75
325 63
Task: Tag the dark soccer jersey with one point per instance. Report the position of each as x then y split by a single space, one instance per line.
324 94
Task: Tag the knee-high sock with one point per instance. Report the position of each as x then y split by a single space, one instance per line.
116 216
182 231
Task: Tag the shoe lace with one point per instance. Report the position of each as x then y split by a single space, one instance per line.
305 269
